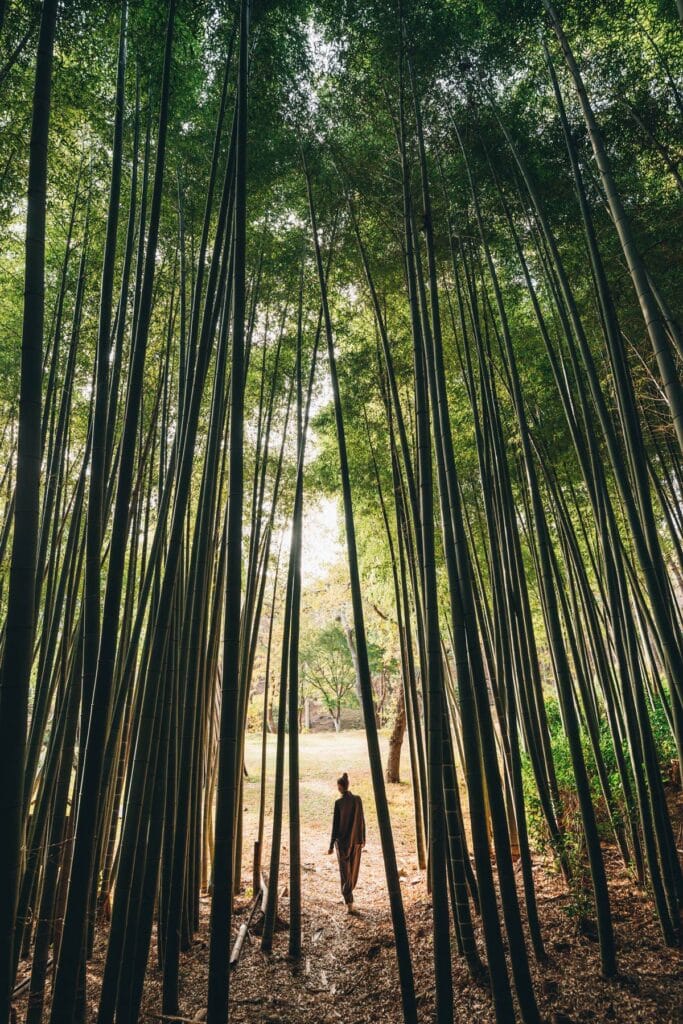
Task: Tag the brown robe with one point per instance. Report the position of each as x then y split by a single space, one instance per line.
348 834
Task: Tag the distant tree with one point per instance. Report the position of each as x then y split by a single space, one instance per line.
327 670
380 666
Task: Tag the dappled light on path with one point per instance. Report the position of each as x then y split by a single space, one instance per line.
348 962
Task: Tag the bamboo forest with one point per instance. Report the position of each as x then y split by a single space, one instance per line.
341 493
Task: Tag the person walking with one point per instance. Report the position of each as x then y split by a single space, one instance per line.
348 835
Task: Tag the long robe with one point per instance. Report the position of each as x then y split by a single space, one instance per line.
348 835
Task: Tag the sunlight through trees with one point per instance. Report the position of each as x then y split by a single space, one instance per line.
341 366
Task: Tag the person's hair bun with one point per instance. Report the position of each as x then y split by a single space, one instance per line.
345 776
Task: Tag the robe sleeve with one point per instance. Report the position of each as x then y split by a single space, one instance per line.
362 818
335 826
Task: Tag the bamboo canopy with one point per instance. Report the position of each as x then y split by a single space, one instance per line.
420 262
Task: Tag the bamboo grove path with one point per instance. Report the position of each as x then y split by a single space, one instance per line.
348 971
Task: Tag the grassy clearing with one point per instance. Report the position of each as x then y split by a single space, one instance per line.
323 758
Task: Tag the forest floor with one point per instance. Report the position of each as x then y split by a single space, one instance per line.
348 969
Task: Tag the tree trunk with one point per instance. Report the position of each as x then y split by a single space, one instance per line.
66 978
393 772
404 963
18 648
221 902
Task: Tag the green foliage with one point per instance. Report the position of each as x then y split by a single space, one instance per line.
662 732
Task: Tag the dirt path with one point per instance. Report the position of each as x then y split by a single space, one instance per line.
344 956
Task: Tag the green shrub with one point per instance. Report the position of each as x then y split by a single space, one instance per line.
580 903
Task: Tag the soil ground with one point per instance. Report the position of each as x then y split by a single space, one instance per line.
348 969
